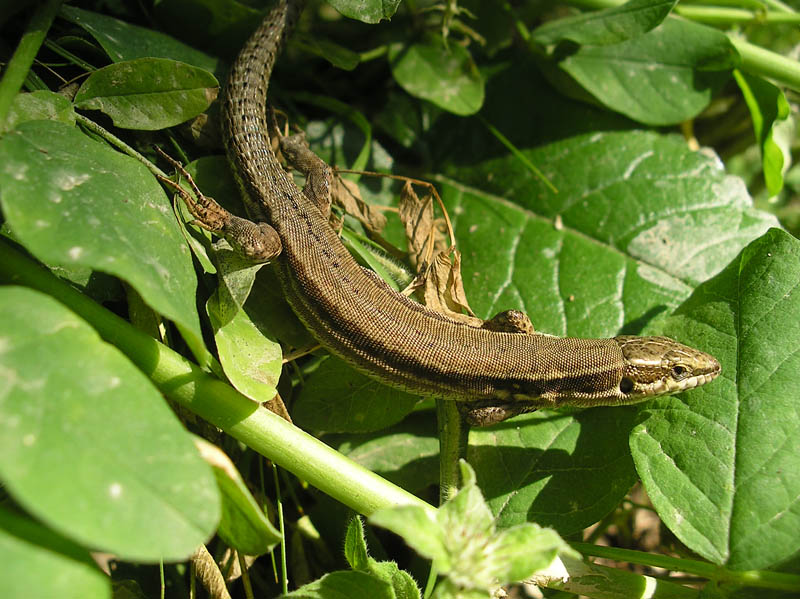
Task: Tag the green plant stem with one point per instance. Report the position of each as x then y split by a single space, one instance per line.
20 63
118 143
217 402
759 61
453 434
717 15
281 528
778 6
757 6
757 578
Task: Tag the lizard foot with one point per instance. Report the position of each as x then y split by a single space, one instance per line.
257 242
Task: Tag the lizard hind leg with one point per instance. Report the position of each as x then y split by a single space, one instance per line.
257 242
510 321
319 176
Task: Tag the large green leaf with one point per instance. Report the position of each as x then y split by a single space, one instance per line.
148 93
663 77
87 443
720 463
561 470
72 201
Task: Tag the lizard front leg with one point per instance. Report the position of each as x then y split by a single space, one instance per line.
257 242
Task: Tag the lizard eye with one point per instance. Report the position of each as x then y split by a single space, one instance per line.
626 385
679 372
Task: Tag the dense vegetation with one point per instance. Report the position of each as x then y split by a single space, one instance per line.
607 168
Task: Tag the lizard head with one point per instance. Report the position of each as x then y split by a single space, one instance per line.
660 366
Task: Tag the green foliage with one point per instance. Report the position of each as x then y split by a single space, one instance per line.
148 93
445 76
717 491
609 26
98 457
768 108
368 577
464 545
566 203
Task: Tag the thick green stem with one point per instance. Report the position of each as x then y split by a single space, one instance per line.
717 15
17 68
759 61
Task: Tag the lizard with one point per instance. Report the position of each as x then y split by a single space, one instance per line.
495 371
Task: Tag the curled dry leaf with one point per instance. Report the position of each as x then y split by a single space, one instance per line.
347 195
443 288
417 217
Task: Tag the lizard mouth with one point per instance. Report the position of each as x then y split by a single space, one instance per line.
669 386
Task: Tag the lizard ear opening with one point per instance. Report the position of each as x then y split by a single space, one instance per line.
626 385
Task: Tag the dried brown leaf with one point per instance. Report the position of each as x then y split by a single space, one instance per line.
417 217
442 288
346 194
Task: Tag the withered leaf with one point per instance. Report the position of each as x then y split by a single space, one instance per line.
346 194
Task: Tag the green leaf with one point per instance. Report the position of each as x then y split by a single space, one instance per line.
336 398
717 462
89 446
569 470
148 93
40 105
72 201
518 552
355 545
243 525
608 26
639 220
420 530
339 56
251 359
44 564
661 78
402 583
371 11
768 107
123 41
344 585
355 550
444 75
